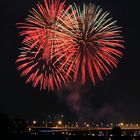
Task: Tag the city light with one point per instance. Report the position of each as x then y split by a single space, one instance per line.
81 128
34 122
87 125
76 125
59 122
121 124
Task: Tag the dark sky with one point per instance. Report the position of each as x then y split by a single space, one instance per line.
117 98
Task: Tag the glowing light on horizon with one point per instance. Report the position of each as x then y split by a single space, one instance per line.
59 122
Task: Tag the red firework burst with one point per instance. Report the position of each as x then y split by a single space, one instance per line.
42 55
95 41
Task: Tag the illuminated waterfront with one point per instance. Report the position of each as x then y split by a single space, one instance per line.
54 125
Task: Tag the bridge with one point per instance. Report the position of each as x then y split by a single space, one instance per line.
80 128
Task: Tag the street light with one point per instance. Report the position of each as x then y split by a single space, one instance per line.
34 122
121 124
59 122
87 125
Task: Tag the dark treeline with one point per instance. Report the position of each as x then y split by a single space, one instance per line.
8 126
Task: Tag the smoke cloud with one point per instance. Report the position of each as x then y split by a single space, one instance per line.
84 109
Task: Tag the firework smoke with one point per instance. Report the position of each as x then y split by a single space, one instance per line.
84 110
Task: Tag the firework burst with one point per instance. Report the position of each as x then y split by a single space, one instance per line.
43 54
97 42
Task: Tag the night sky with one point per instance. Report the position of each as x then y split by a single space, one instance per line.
117 98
